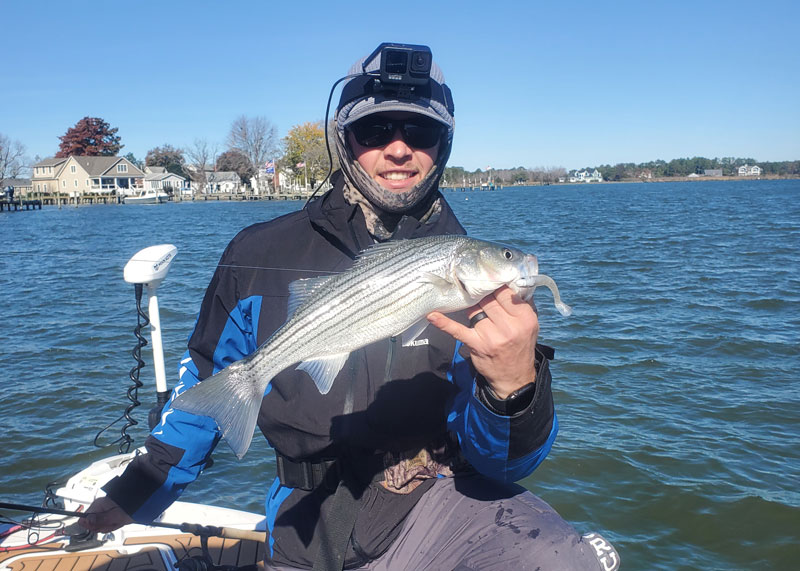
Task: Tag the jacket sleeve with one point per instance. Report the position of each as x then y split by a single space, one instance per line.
502 447
180 446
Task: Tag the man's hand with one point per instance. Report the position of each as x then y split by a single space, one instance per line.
104 516
502 347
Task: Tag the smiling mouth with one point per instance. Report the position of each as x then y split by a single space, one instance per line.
398 175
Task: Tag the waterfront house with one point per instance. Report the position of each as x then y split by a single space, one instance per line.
586 176
22 186
159 178
226 182
79 175
746 170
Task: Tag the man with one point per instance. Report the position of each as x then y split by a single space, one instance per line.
407 462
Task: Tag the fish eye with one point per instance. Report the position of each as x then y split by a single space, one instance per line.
508 254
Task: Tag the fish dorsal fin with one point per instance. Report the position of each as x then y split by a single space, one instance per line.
301 290
410 335
324 370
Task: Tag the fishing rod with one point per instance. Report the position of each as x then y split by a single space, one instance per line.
193 528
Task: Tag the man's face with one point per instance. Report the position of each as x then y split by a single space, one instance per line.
395 164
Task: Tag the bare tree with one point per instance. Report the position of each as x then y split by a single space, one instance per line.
255 137
201 158
13 161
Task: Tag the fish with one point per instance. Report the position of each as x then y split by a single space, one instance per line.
388 292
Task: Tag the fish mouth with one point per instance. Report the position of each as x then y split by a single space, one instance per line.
525 286
525 282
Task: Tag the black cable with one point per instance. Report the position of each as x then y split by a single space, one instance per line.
325 126
125 440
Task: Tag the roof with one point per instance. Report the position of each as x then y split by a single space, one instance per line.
162 176
94 166
15 182
50 162
97 166
222 176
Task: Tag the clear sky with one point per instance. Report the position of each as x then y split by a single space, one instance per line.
536 84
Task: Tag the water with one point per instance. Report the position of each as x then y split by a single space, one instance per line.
673 380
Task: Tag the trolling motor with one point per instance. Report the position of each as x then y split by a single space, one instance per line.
146 270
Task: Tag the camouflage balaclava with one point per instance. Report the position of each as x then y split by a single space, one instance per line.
436 103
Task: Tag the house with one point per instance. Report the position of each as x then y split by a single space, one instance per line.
77 175
22 186
712 172
227 182
586 176
158 178
746 170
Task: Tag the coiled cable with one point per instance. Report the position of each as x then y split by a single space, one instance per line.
125 440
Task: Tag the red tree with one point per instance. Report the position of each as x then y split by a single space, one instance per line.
91 136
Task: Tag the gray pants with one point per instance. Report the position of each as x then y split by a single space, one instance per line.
466 524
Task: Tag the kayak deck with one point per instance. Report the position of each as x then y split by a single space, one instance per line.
156 553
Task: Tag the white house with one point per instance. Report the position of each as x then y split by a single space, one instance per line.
227 182
746 170
586 176
158 178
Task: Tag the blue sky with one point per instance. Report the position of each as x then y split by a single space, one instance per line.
536 84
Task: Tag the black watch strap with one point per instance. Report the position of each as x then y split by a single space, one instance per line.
515 403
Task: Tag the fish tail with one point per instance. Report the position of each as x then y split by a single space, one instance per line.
232 398
547 281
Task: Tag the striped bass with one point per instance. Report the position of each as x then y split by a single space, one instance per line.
389 291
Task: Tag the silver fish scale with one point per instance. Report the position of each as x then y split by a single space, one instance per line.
386 282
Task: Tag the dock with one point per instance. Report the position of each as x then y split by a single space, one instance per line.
19 204
467 188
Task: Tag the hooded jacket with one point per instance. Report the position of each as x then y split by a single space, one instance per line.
387 398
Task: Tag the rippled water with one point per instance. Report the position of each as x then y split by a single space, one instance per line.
674 377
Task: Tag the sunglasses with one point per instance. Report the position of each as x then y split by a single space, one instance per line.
376 131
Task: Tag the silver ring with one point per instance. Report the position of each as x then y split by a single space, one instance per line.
476 318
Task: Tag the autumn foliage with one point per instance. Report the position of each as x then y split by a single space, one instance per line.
91 136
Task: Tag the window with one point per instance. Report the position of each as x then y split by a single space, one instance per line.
64 183
72 168
122 168
76 183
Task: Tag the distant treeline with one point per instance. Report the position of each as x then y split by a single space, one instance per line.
622 171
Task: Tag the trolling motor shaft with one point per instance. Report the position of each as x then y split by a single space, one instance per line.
148 268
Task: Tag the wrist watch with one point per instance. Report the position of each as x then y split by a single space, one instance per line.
517 401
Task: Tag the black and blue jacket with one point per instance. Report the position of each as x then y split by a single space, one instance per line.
386 398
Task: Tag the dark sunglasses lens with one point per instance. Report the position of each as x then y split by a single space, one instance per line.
422 134
372 132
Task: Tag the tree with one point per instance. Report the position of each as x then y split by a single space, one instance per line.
305 151
201 158
255 138
91 136
236 161
12 158
134 161
168 157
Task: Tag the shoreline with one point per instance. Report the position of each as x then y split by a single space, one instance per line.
668 179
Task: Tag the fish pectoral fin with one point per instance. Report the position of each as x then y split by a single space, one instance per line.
323 371
410 335
435 280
